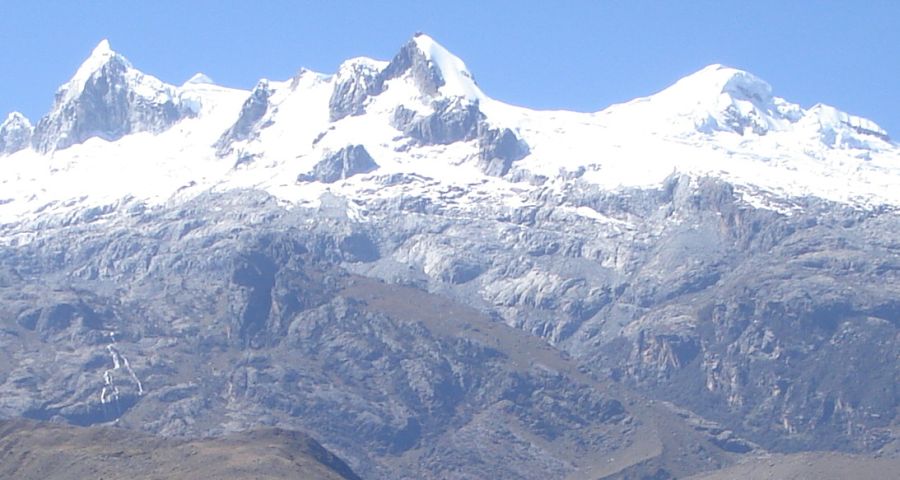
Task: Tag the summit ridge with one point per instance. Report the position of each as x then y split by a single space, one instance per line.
425 104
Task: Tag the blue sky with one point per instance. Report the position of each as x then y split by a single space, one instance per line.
579 55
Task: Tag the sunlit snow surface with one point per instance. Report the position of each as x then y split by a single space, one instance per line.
783 151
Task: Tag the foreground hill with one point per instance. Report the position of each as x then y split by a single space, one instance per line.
41 451
809 466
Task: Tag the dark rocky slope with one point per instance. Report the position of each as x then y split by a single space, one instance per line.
230 312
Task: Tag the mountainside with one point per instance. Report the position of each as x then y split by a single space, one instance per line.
800 466
436 284
29 450
108 98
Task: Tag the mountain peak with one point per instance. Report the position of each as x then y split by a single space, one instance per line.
101 56
107 98
719 79
458 81
102 48
200 78
435 71
15 133
719 98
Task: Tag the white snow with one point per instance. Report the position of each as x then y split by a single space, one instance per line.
458 81
816 152
142 167
356 63
832 118
588 212
201 78
707 101
16 118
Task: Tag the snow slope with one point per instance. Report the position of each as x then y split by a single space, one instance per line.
719 121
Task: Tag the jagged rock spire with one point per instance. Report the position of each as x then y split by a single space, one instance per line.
107 98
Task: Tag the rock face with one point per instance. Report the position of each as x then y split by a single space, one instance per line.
230 322
355 82
15 133
248 123
270 315
344 163
108 99
454 118
452 121
359 79
459 121
411 60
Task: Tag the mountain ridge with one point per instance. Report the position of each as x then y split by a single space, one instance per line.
437 284
424 102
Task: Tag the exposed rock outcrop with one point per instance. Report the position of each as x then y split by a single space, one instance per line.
108 98
15 133
248 124
457 120
340 165
355 82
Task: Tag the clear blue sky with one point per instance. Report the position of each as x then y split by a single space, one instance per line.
579 55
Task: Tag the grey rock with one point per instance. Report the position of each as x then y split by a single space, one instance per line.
457 120
452 121
234 312
354 83
109 106
15 133
358 80
340 165
9 277
498 149
247 126
425 74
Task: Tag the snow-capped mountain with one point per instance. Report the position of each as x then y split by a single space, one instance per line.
423 113
438 284
108 99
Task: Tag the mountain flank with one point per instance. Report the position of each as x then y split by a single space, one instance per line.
32 450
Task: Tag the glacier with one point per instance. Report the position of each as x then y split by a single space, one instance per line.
160 142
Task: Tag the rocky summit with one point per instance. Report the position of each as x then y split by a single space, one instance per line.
434 284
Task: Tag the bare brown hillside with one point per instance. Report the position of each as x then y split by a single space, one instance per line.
43 451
